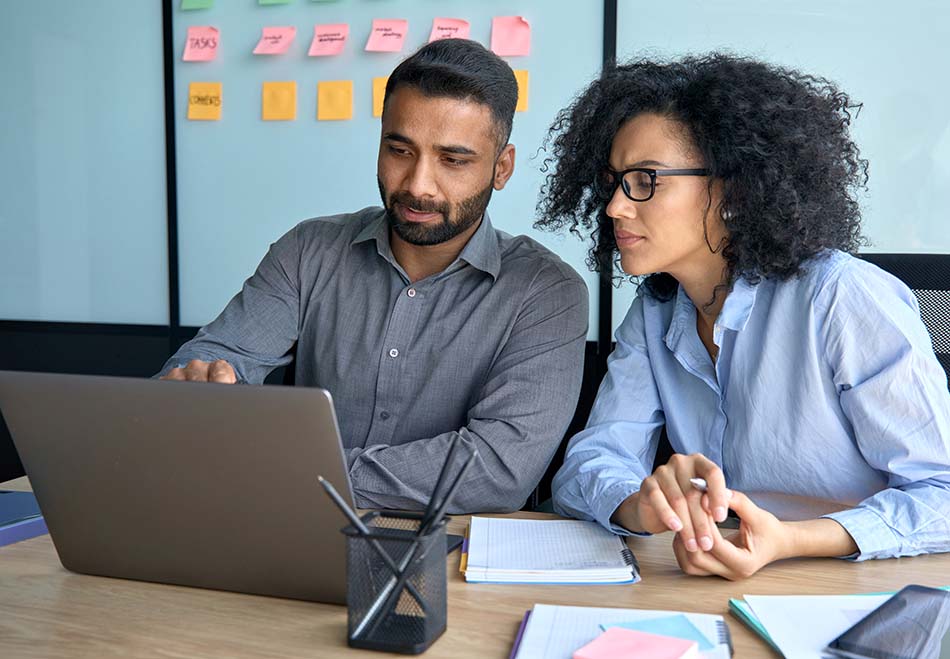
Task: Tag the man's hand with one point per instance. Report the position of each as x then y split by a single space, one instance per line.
199 371
761 539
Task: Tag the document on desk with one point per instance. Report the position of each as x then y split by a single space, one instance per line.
546 551
555 632
802 625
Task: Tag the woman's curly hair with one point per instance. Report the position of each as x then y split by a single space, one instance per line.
777 140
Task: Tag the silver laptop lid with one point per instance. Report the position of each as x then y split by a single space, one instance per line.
195 484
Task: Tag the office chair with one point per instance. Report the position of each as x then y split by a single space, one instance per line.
928 276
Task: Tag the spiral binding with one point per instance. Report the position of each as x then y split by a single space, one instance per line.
725 637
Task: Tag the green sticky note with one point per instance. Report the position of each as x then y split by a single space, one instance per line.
273 2
196 4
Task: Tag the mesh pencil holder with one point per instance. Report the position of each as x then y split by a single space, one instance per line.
399 605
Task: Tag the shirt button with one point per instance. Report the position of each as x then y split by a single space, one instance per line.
411 292
393 353
384 415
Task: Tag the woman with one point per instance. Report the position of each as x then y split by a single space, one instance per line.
776 360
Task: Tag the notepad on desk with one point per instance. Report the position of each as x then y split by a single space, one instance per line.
556 632
546 551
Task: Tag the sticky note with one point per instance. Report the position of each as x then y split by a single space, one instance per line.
449 28
279 101
196 4
379 95
334 100
619 642
387 35
273 2
275 40
328 39
510 36
678 626
521 75
201 44
204 101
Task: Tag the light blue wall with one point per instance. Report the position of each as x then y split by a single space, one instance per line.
243 182
82 170
891 56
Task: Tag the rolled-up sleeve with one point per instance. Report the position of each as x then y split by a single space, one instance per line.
894 393
607 461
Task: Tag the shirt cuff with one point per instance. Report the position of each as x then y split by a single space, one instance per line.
870 533
607 503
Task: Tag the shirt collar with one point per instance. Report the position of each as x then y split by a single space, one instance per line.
482 250
735 314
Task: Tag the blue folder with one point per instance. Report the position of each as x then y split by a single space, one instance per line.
20 517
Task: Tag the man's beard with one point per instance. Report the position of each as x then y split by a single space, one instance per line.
455 220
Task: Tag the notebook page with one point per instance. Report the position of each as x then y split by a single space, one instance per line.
531 544
555 632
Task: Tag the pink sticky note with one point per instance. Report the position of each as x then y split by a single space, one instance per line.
449 28
510 36
388 35
275 40
201 44
329 39
620 643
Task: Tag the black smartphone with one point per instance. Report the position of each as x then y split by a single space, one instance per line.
913 624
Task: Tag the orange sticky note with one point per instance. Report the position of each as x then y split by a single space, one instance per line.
449 28
379 95
334 100
204 101
275 40
328 39
201 44
510 36
521 75
279 101
387 35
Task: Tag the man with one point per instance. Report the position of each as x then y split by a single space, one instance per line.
422 320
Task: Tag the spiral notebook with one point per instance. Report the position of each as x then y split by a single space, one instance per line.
555 632
546 551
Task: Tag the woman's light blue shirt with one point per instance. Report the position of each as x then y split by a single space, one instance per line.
826 386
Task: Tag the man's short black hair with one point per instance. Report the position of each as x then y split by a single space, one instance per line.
465 70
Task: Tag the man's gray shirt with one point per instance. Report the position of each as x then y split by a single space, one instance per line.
491 348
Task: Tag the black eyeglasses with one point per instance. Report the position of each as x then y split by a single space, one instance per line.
639 183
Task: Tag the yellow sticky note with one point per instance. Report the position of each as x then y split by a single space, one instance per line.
521 75
279 101
379 95
204 101
334 100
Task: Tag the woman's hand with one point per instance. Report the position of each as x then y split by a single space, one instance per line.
667 501
761 539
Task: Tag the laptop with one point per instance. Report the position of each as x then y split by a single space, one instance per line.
196 484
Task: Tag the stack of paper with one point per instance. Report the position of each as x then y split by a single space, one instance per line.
546 551
557 632
800 626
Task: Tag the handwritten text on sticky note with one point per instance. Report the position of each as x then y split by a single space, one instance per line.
510 36
201 44
328 39
449 28
387 35
275 40
204 101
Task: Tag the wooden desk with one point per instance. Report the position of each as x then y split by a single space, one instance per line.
46 611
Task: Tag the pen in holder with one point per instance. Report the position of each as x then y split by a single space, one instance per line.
396 582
